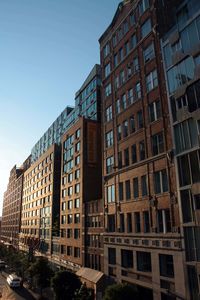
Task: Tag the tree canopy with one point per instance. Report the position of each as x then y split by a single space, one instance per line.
121 291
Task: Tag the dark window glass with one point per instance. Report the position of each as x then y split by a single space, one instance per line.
134 153
112 256
128 189
143 261
166 265
126 258
135 188
121 191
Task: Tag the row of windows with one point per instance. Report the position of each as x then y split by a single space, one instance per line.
94 240
143 260
160 186
70 218
124 28
69 204
71 176
30 183
140 222
135 93
69 141
39 167
68 154
94 221
39 202
71 190
70 251
39 184
71 164
70 233
41 192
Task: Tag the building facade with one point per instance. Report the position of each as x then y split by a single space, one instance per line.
40 202
181 52
80 184
11 214
143 244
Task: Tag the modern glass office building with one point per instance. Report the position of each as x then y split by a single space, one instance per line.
87 104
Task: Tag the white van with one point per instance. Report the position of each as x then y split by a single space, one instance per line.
14 281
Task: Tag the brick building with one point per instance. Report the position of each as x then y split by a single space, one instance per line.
142 242
80 184
40 202
11 214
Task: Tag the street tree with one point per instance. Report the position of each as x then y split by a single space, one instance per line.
120 292
65 284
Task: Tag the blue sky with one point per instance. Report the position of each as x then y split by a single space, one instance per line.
47 49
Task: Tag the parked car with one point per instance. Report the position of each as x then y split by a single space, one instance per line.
14 281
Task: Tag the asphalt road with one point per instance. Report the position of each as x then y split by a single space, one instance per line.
13 294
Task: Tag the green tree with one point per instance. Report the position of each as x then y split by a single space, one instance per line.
41 273
121 292
64 284
84 293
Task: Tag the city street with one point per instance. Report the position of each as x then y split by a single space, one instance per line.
10 294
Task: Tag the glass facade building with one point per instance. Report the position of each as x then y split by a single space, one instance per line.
87 104
181 51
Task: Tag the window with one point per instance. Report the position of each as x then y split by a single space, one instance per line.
114 40
116 60
106 50
126 46
151 80
109 113
133 41
189 168
126 157
122 226
77 160
125 27
117 106
149 52
77 174
121 191
77 147
76 233
109 164
126 258
129 222
130 96
143 5
111 223
136 64
140 119
137 222
121 54
109 138
154 111
78 133
142 150
69 219
70 204
134 153
70 191
119 132
63 219
76 252
144 185
107 70
128 189
143 261
146 221
119 160
125 128
77 218
77 188
146 28
192 245
166 265
69 233
164 220
124 101
132 124
111 193
112 256
108 90
69 250
157 143
135 188
77 203
132 19
122 77
160 182
138 92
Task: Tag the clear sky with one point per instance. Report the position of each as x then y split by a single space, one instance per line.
47 49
